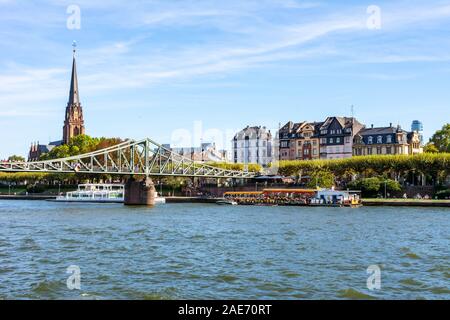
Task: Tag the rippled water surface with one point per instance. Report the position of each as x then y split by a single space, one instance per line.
193 251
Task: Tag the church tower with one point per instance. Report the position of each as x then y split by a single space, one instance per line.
74 122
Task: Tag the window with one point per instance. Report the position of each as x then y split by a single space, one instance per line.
285 144
323 141
299 143
338 140
324 132
315 151
306 152
347 139
339 131
369 151
314 142
370 140
388 150
389 139
379 139
331 140
378 150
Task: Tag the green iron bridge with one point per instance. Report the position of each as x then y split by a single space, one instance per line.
142 158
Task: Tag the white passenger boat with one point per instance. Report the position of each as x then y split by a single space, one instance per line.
100 193
108 193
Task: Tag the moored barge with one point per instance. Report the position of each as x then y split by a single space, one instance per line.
296 197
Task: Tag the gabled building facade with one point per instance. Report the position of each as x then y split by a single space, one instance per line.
252 145
336 137
299 141
286 145
385 141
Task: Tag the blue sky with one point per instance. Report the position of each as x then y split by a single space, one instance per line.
160 69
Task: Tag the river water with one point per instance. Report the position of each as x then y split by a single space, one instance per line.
198 251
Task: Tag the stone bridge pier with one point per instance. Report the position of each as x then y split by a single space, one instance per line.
140 192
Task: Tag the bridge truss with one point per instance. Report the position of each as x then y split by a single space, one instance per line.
144 157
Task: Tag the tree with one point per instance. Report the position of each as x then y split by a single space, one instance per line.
16 158
441 139
374 185
57 153
79 145
430 148
174 183
322 179
83 144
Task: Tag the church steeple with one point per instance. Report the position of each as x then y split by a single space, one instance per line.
74 97
73 123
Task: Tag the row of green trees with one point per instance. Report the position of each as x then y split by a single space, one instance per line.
434 166
252 167
374 186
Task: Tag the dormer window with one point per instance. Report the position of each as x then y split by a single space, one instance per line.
370 140
389 139
379 139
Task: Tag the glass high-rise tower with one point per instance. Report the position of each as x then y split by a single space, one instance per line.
418 126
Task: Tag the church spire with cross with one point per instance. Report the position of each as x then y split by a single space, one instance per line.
74 122
74 98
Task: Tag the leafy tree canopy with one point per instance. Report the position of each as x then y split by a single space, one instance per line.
321 179
16 158
441 139
430 148
79 145
372 186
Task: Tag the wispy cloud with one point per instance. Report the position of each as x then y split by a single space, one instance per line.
138 61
